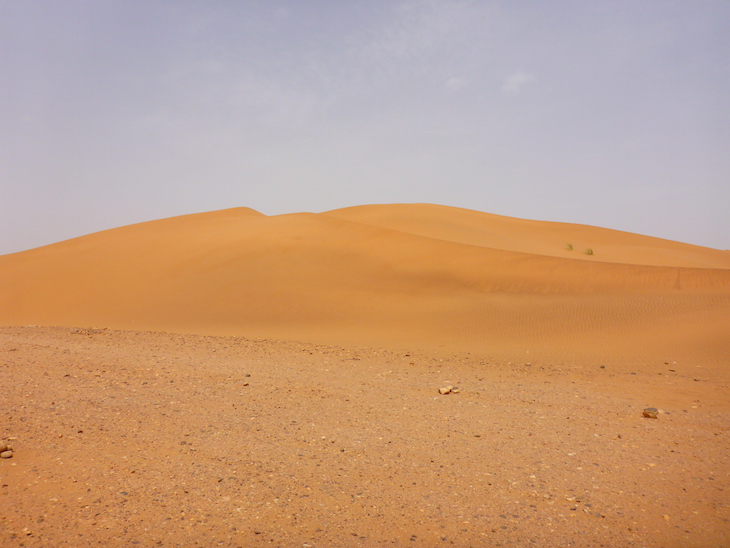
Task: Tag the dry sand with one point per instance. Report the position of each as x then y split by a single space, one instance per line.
128 429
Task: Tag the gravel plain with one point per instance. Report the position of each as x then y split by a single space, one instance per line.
125 438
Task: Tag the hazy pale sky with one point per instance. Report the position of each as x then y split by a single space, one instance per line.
610 113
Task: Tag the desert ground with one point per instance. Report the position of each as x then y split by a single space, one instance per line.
387 375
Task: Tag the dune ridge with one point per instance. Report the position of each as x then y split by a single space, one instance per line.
535 237
398 275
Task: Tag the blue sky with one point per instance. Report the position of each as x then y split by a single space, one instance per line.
610 113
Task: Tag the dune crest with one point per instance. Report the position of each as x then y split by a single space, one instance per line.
399 275
537 237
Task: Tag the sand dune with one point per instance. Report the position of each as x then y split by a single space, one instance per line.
136 436
397 275
538 237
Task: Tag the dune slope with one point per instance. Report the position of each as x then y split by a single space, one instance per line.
538 237
400 275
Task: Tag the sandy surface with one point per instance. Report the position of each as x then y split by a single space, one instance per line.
322 278
127 429
126 438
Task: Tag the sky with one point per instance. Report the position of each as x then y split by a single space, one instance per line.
610 113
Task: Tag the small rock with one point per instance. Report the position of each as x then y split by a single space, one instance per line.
6 454
651 413
446 390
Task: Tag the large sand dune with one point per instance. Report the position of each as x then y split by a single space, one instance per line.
126 436
396 275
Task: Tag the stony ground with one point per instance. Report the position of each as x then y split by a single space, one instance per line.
151 439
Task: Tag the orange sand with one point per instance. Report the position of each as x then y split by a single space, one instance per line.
156 433
391 275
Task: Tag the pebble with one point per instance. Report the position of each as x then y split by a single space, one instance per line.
651 413
6 454
447 390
